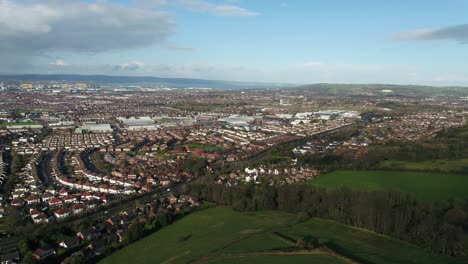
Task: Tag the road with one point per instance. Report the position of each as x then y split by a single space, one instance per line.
44 169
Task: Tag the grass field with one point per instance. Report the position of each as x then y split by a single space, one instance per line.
298 259
459 165
206 148
222 236
211 229
257 243
3 125
100 163
366 246
425 186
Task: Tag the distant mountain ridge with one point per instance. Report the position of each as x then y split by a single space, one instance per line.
381 89
143 80
328 89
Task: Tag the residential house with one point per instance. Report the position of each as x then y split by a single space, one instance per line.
41 254
10 257
18 202
70 243
62 213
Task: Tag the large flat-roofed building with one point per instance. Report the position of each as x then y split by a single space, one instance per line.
237 120
174 121
19 127
96 127
137 121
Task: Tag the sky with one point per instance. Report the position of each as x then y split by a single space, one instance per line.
280 41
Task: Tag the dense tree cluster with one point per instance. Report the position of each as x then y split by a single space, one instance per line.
448 144
439 228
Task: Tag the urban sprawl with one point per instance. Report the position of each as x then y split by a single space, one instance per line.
77 149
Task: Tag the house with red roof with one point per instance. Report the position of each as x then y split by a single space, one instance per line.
55 202
62 213
47 196
86 196
41 254
63 192
33 199
41 218
34 212
78 208
69 199
114 189
18 202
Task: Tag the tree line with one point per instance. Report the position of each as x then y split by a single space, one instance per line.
440 228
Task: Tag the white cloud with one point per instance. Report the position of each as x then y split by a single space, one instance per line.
215 9
130 66
32 27
199 6
58 62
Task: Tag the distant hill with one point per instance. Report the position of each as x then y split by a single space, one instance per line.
312 89
143 80
381 89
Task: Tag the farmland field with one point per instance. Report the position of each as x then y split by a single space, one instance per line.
458 165
366 246
297 259
257 243
210 230
425 186
221 235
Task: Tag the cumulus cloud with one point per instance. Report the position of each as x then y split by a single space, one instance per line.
58 62
458 33
215 9
130 66
33 27
199 6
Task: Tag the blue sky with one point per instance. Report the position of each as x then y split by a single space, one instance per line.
292 41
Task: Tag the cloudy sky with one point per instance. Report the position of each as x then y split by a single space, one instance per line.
291 41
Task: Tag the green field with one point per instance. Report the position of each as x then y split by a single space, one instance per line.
256 243
3 125
458 165
366 246
210 229
295 259
425 186
100 163
221 235
206 148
